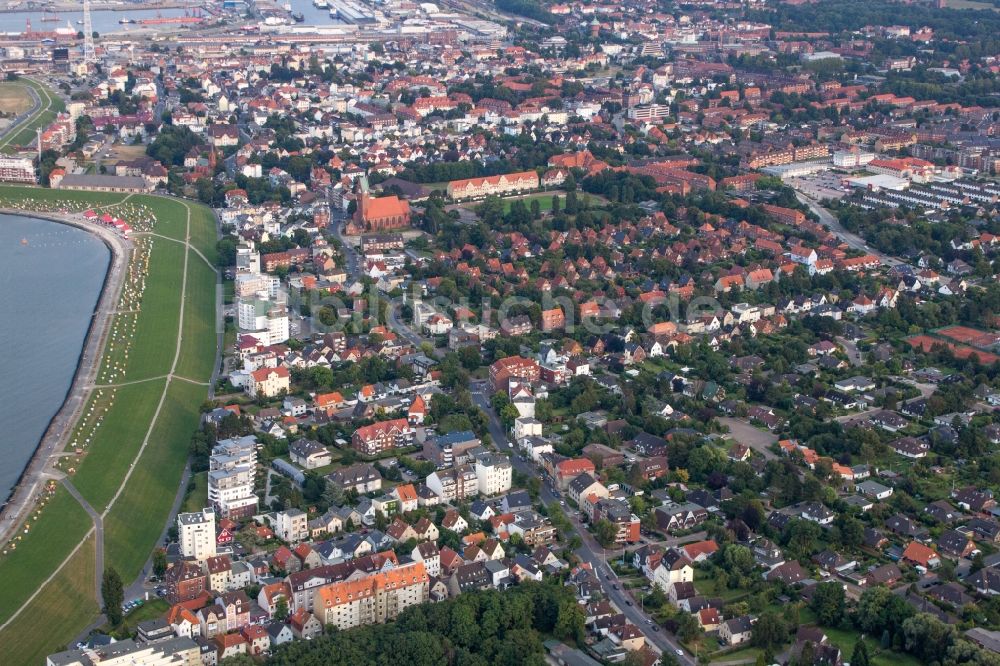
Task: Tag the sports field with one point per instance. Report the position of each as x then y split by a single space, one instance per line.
14 98
50 105
127 454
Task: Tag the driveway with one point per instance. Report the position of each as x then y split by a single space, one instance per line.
745 433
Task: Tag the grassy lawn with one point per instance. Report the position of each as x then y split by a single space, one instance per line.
171 215
748 654
544 201
116 428
846 640
197 361
62 524
115 442
710 587
203 232
135 522
56 615
971 4
153 346
197 499
229 336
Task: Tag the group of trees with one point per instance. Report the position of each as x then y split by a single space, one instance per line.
532 10
474 629
881 615
172 144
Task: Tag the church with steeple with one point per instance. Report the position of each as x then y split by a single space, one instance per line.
375 214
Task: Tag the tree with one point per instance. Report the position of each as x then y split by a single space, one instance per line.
928 638
113 593
570 623
571 205
880 610
688 628
769 632
281 609
828 604
860 655
159 562
849 530
738 561
605 532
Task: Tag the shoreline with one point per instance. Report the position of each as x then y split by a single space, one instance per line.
36 472
70 8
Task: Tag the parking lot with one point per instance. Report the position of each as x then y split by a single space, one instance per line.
822 185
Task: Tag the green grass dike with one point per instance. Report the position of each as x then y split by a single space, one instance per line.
127 452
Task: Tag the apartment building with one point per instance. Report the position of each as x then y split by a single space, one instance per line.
649 112
509 183
291 525
16 170
618 513
454 484
196 533
180 651
265 320
268 382
493 474
377 438
513 367
231 470
784 215
375 599
248 285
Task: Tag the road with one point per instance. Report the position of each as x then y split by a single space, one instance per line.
745 433
353 269
852 240
851 349
590 551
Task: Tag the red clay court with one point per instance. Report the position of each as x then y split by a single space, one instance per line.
970 336
925 343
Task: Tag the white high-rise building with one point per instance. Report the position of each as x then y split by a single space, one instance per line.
265 320
196 532
231 470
